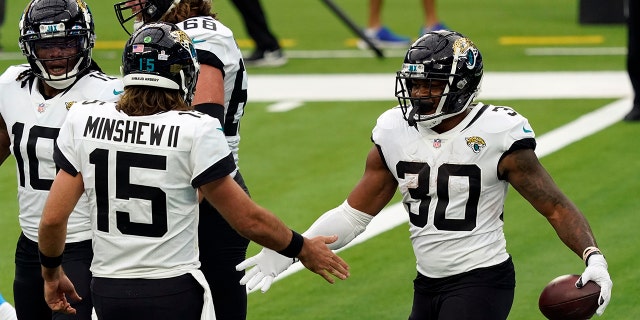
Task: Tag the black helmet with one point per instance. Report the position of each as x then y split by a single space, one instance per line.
446 56
59 23
151 10
161 55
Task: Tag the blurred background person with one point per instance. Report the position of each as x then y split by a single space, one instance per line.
633 56
267 51
383 37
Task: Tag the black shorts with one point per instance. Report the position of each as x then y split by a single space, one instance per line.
153 299
480 294
28 286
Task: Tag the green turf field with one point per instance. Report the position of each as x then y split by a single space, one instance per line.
297 168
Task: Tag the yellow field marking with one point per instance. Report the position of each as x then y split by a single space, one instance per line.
249 44
242 43
557 40
110 45
351 42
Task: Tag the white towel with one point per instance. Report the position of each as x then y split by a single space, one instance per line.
208 312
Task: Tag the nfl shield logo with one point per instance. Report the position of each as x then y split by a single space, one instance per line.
41 108
437 143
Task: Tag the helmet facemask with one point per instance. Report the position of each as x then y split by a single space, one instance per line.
142 11
64 26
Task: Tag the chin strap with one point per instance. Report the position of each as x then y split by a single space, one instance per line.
411 117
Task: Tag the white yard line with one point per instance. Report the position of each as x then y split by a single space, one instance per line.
501 85
495 85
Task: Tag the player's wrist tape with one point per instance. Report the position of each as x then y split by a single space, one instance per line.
588 252
49 262
294 247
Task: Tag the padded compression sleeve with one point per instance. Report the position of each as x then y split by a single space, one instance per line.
344 221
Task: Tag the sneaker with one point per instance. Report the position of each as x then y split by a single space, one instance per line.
266 58
438 26
633 115
383 38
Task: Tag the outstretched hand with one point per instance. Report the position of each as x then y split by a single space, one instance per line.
317 257
56 291
267 265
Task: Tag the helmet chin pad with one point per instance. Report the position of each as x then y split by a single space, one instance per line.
61 84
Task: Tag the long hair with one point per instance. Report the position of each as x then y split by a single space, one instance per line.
187 9
143 100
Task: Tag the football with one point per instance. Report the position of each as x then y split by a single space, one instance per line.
560 299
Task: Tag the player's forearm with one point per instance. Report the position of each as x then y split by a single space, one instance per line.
51 237
51 240
264 228
574 230
245 216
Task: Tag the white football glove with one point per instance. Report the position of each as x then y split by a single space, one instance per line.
267 265
596 271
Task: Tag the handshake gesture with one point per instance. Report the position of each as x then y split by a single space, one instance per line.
268 264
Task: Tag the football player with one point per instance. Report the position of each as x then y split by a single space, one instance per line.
142 161
56 37
222 93
452 161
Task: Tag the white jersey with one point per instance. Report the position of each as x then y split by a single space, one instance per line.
33 123
450 185
140 174
217 47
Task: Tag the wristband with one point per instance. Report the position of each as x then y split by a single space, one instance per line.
588 252
294 247
49 262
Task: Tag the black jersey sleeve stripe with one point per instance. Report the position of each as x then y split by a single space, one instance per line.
381 154
208 58
527 143
218 170
482 110
62 162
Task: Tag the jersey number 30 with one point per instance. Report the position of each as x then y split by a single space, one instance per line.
421 192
